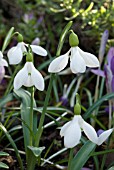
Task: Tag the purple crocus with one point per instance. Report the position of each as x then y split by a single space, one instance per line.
103 45
108 71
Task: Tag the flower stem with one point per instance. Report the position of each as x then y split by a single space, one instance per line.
70 158
40 128
9 88
31 113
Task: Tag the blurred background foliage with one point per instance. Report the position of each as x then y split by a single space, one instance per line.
46 19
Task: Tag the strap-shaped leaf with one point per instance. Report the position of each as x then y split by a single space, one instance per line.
98 103
82 156
13 145
7 39
4 153
24 96
6 99
3 165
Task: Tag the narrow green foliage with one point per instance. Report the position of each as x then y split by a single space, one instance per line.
82 156
98 103
13 145
24 96
4 153
62 38
7 39
3 165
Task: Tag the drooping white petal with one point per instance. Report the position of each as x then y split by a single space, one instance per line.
22 46
59 63
90 59
71 132
72 135
38 50
37 78
104 136
20 78
90 132
1 55
15 55
3 63
64 128
77 63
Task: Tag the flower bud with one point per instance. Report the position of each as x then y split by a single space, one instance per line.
73 40
20 38
29 57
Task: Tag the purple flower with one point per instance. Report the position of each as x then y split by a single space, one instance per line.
103 45
99 132
64 100
108 71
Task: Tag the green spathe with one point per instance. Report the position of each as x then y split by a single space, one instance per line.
73 40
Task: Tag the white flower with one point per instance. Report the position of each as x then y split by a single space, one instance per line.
29 76
2 61
78 61
15 54
72 132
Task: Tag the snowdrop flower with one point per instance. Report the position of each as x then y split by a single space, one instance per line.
2 61
72 132
78 58
2 64
29 76
15 54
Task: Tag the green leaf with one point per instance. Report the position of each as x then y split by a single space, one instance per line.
36 151
13 145
3 165
4 153
82 156
24 96
98 103
6 99
112 168
62 38
7 39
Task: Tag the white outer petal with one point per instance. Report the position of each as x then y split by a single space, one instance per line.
1 55
3 63
90 59
104 136
90 132
37 78
22 46
72 135
71 132
59 63
38 50
77 63
64 128
15 55
20 78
